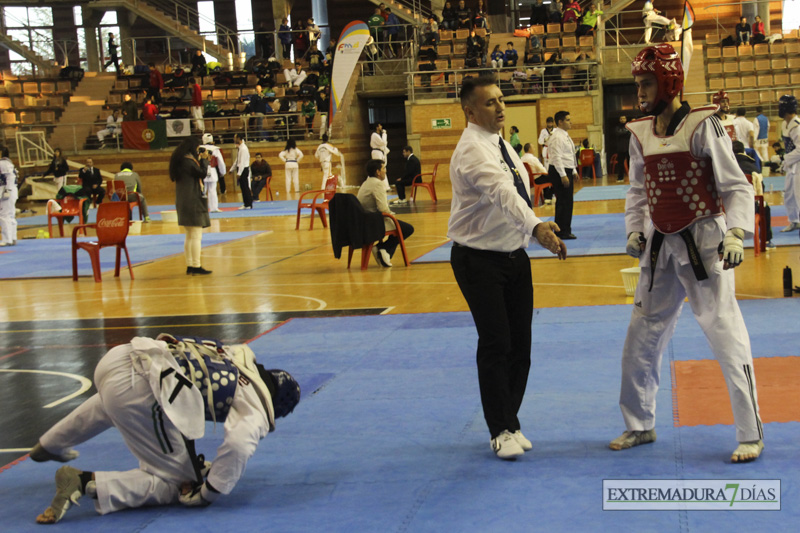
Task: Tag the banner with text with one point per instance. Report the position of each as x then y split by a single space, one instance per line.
348 51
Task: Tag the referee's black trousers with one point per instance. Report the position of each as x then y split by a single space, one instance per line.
499 291
563 199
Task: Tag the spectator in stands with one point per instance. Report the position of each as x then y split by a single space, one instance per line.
392 33
295 77
497 57
623 138
749 167
510 57
112 52
463 15
91 183
651 16
256 107
514 140
130 111
572 12
155 84
300 40
199 64
149 109
742 32
285 37
313 31
264 41
210 107
475 47
589 20
187 169
758 35
539 15
372 196
261 170
413 169
481 18
449 18
555 11
316 59
384 12
761 132
308 109
745 131
376 23
133 184
430 32
539 175
197 105
552 72
113 128
58 168
291 156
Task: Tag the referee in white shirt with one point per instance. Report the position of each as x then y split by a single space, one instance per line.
561 151
242 169
491 223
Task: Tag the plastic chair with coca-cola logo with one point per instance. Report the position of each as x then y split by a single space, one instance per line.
113 219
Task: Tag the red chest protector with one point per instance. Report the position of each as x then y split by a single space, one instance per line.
680 187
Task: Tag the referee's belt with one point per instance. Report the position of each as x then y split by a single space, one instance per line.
491 253
691 249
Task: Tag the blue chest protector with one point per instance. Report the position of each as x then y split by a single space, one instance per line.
216 377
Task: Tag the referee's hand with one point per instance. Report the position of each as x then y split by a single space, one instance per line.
544 232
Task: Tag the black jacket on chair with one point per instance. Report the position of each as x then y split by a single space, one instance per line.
351 225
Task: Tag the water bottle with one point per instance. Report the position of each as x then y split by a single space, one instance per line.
787 282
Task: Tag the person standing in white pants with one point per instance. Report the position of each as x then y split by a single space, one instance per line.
291 156
790 131
155 392
216 168
682 171
8 199
324 153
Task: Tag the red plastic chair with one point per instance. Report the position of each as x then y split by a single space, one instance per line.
268 189
71 206
538 188
587 160
318 202
118 187
429 186
366 251
612 164
113 220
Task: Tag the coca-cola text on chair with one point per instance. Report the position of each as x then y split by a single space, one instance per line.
113 220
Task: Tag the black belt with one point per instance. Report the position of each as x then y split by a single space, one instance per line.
491 253
691 248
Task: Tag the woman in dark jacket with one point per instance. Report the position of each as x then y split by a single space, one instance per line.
58 168
188 169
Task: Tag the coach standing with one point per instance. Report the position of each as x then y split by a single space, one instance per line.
561 151
491 223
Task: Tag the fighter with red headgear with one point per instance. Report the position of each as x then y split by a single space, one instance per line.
682 170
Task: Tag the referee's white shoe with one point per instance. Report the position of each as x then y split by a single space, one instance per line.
505 446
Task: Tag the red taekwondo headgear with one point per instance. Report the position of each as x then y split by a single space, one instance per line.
663 62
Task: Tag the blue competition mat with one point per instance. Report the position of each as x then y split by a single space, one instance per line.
390 436
52 258
605 235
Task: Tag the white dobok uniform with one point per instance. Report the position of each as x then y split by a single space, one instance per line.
291 159
791 165
379 145
650 17
132 397
212 175
324 153
677 183
8 201
544 136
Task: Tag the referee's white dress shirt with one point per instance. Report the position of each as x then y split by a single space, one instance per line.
487 212
561 152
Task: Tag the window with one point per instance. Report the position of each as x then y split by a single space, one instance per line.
33 27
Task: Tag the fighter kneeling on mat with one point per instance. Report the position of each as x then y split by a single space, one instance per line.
159 393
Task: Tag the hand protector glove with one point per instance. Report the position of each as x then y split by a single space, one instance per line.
731 249
198 496
636 242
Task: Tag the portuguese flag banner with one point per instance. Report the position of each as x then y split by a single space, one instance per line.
144 135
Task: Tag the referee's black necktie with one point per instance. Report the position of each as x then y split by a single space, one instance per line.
517 179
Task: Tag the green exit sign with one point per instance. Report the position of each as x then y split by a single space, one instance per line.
441 123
